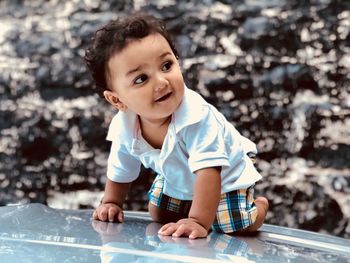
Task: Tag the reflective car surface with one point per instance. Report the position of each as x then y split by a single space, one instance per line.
37 233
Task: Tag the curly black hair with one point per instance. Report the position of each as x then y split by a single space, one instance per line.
113 37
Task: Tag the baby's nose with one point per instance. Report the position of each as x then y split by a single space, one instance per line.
161 83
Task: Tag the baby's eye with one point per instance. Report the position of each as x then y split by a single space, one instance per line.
167 65
140 79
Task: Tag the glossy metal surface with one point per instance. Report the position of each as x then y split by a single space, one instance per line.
37 233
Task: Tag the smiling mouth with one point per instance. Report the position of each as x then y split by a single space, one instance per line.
165 97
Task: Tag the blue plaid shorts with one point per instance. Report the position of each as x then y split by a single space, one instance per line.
236 209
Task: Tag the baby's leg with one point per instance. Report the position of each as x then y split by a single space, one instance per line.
262 206
163 216
163 208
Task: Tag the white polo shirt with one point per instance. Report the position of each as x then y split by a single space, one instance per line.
198 136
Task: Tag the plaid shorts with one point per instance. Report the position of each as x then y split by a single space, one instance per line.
236 209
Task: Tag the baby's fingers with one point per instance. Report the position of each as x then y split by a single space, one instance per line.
196 234
163 228
181 230
193 231
120 216
167 229
102 213
115 213
112 211
95 215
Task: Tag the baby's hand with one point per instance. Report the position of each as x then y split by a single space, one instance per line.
187 227
108 212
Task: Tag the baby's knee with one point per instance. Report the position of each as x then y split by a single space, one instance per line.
161 215
262 202
154 212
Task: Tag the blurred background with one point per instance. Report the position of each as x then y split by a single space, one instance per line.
278 70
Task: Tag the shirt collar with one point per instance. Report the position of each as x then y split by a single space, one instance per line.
125 125
190 110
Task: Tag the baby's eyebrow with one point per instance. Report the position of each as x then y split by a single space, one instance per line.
133 70
140 67
164 54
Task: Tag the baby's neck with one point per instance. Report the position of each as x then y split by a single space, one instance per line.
154 124
154 132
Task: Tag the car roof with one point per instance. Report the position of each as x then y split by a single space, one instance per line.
37 233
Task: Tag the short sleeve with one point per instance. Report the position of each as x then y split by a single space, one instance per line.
122 166
248 146
205 144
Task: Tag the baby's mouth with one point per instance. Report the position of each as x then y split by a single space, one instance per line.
163 98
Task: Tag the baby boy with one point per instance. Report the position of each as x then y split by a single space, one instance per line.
205 179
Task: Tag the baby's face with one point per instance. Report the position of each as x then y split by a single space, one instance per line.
146 78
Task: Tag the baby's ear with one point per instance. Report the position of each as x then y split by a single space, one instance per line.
114 100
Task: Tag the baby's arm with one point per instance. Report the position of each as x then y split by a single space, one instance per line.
205 202
110 208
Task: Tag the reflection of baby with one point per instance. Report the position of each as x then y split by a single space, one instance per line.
205 177
121 244
113 238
